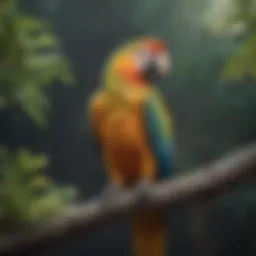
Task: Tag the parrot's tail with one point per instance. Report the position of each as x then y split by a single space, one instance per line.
149 233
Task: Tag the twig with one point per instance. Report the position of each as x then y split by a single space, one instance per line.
204 183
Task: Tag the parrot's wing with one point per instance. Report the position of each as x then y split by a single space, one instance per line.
158 128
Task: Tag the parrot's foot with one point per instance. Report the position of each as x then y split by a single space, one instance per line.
143 189
109 193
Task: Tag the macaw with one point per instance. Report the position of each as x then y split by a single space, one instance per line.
133 130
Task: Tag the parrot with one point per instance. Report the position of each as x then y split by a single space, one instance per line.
132 130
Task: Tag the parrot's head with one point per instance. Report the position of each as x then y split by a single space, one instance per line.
138 63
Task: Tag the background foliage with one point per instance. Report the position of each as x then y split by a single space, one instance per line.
30 60
237 18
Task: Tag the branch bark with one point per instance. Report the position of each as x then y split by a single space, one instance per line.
202 184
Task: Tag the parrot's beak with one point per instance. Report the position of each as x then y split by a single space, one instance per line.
159 67
163 63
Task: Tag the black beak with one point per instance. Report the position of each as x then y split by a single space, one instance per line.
151 73
157 68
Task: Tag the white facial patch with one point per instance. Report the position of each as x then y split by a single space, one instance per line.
164 63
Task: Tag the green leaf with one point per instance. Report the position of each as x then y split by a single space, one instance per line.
243 62
34 103
40 182
46 206
30 163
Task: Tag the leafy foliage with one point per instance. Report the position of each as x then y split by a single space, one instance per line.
26 193
30 60
239 18
242 63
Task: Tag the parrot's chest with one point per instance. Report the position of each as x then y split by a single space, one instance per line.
125 156
123 133
124 141
126 160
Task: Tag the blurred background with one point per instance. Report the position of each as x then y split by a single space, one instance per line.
51 55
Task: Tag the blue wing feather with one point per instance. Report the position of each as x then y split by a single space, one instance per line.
160 137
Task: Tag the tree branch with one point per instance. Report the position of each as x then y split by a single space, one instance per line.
202 184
